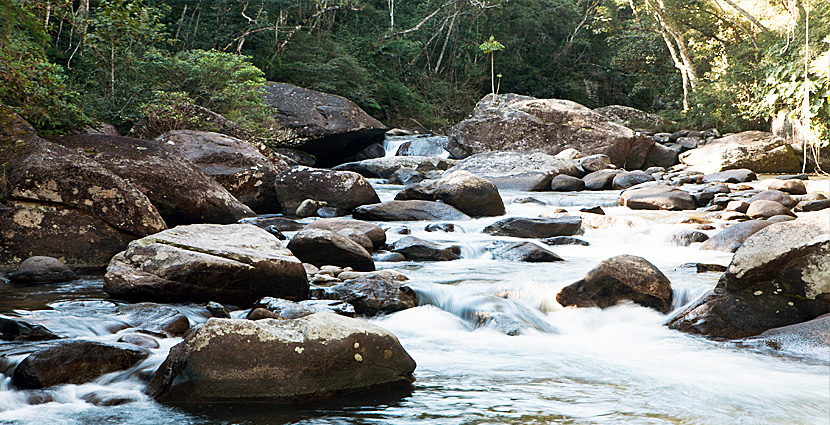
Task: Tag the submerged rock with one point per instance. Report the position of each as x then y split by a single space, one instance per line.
538 228
40 269
527 252
316 357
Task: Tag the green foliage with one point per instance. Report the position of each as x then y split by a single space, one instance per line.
490 46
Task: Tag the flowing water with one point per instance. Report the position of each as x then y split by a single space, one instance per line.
569 366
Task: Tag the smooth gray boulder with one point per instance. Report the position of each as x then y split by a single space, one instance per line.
766 209
417 249
527 252
41 269
323 247
731 238
339 189
470 194
511 170
384 168
565 183
537 228
374 232
409 211
658 197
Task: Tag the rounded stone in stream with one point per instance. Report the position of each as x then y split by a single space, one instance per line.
471 194
687 237
371 295
374 232
324 247
658 197
417 249
74 362
440 227
408 211
773 195
566 183
154 317
620 278
218 310
813 205
766 209
793 187
564 240
527 252
731 238
40 269
15 329
316 357
285 309
535 227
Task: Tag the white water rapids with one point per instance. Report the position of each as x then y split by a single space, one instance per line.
585 365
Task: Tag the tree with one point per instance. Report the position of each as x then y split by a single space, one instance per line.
491 46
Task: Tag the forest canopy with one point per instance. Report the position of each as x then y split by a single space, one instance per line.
728 64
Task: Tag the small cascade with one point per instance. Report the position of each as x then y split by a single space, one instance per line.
415 145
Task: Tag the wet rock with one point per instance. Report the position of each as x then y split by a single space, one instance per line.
416 249
294 156
793 177
139 340
308 208
793 187
600 180
409 211
285 309
279 223
16 329
312 358
529 200
58 203
565 183
372 231
371 295
329 212
766 209
339 189
658 197
358 237
703 268
661 156
74 362
755 150
778 277
731 238
406 177
524 171
739 206
620 278
218 310
527 252
594 163
598 221
42 270
731 176
687 237
808 339
440 227
625 180
564 240
780 218
400 230
390 257
327 126
773 195
384 168
467 192
807 206
593 210
236 164
154 317
387 274
181 192
321 247
375 150
235 264
424 146
538 228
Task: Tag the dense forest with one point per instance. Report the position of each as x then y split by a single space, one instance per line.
729 64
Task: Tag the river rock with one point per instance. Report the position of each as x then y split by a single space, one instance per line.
634 118
740 175
527 252
181 191
440 227
153 317
384 168
42 270
565 183
807 339
358 237
406 177
339 189
731 238
766 209
58 203
739 206
564 240
374 232
308 359
594 163
371 295
792 186
424 146
687 237
620 278
628 179
524 171
324 247
661 156
658 197
416 249
236 164
74 362
286 309
756 150
522 123
279 223
409 211
538 228
235 264
17 329
778 277
309 208
470 194
773 195
327 126
813 205
600 180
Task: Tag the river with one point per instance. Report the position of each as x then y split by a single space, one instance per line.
569 366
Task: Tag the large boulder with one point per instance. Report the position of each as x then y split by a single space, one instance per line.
417 249
315 357
778 277
661 156
371 295
323 247
635 118
520 227
620 278
339 189
527 252
181 191
409 211
731 238
236 164
806 339
55 202
235 264
756 150
42 270
74 362
522 123
372 231
327 126
525 171
384 168
471 194
658 197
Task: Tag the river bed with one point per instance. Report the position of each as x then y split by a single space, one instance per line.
569 366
